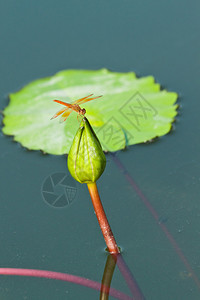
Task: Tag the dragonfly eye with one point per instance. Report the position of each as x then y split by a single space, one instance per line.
83 111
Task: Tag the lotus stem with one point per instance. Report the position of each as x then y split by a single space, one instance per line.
64 277
102 219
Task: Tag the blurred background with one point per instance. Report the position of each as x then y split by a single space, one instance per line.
159 38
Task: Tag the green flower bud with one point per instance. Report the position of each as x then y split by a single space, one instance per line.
86 160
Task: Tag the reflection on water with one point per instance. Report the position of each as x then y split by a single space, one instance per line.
112 259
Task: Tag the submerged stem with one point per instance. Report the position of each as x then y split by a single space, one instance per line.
102 219
107 276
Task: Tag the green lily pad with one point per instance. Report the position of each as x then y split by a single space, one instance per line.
132 110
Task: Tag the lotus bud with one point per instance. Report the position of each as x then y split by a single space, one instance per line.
86 160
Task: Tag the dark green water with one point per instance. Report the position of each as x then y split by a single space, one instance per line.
159 38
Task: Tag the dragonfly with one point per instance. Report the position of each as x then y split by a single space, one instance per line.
74 106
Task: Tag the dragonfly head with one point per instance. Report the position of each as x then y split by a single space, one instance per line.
83 111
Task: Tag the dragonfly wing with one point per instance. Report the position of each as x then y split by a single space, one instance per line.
64 103
65 116
59 113
81 99
86 99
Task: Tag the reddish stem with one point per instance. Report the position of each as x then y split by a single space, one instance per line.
62 276
101 217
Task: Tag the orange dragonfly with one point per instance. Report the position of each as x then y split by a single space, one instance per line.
74 106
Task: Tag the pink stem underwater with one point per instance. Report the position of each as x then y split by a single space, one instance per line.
64 277
156 217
